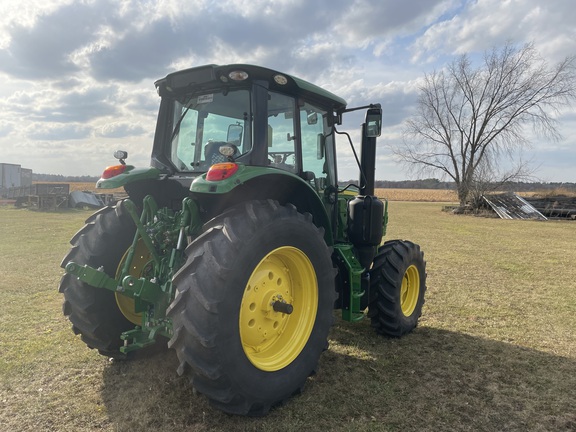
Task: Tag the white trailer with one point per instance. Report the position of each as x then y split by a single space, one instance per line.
10 175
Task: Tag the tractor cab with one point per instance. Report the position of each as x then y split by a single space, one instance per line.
247 115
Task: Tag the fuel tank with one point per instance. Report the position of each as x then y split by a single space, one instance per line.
365 214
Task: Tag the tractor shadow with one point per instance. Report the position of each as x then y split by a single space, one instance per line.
431 379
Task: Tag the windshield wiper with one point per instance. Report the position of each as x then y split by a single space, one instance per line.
178 123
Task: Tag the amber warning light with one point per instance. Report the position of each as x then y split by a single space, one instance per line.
113 171
221 171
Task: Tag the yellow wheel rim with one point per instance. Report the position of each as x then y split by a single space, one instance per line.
410 290
141 264
272 340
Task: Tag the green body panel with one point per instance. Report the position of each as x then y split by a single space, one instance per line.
244 174
313 88
130 175
355 271
343 200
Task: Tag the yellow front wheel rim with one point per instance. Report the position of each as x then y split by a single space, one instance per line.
271 339
410 290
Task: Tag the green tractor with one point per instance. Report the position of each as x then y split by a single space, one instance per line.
237 244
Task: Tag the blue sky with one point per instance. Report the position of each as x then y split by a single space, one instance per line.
78 75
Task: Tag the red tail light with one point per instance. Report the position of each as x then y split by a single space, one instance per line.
113 171
221 171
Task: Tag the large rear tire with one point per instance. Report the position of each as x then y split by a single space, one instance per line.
238 349
397 288
95 313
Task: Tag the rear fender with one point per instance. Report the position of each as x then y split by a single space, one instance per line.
261 183
126 174
138 182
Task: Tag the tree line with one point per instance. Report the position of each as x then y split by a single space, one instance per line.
503 187
63 179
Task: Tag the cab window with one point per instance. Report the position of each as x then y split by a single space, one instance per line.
315 151
202 123
281 136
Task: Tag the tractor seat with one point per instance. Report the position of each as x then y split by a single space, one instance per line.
212 152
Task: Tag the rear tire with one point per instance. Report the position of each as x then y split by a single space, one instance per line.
94 312
241 353
397 288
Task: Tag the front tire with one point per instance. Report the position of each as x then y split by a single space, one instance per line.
397 288
239 351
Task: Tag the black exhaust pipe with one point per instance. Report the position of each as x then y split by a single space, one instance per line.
367 163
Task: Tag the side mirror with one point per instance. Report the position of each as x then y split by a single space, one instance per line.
312 118
234 135
373 122
121 155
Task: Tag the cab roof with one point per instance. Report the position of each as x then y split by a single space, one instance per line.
209 76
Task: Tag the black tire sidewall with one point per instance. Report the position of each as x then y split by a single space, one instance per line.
261 384
394 258
413 257
102 244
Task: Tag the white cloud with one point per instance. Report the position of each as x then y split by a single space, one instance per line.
380 23
5 128
25 14
58 132
486 23
120 130
78 75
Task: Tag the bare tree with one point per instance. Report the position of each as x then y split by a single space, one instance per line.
470 118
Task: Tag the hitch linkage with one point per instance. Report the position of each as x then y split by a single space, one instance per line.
152 294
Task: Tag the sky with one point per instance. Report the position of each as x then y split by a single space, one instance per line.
77 76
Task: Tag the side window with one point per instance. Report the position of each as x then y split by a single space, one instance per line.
281 136
186 139
313 143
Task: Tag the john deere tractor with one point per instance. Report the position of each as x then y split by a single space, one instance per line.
237 243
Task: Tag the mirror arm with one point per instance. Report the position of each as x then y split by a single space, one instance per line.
360 107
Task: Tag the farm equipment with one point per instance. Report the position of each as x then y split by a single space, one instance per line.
237 243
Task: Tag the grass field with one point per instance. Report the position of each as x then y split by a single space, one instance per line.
495 349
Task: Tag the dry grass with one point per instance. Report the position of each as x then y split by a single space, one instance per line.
495 349
550 193
86 186
420 195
